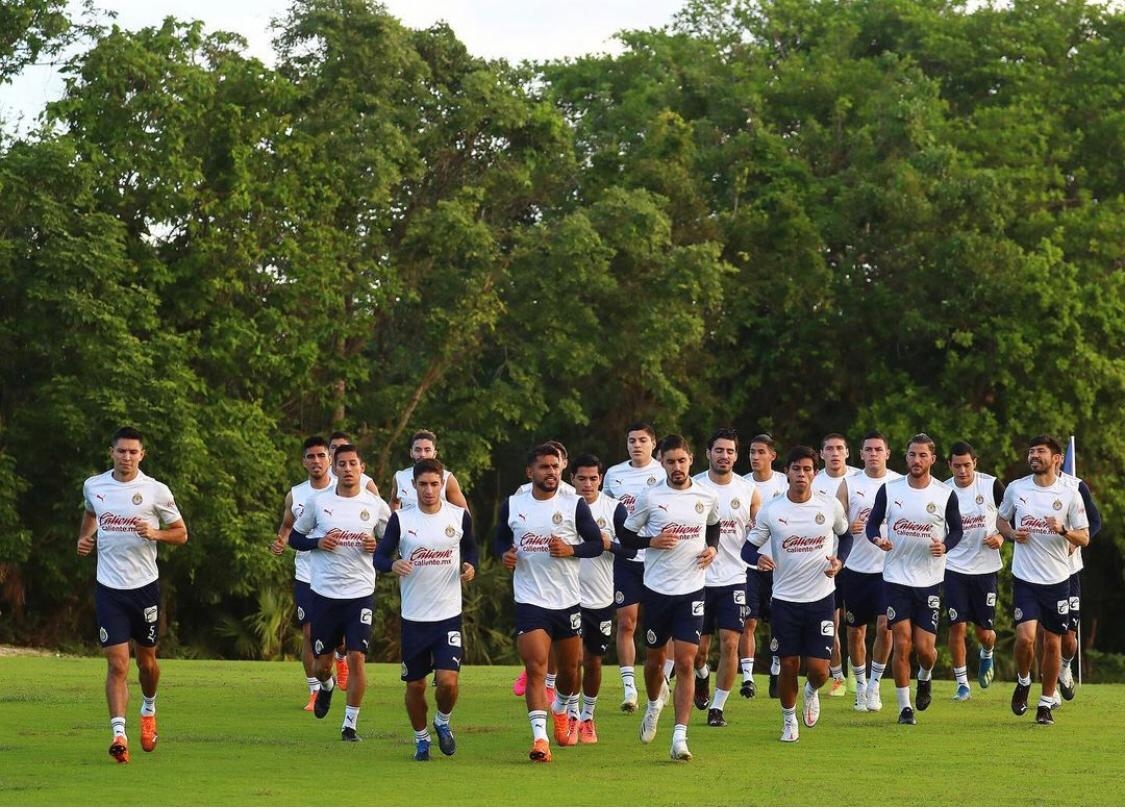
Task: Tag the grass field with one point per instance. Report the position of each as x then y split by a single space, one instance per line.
234 733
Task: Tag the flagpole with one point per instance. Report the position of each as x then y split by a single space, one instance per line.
1070 458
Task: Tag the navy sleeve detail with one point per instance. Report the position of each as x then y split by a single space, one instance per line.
845 546
714 532
388 545
750 553
302 543
469 553
588 531
503 540
954 531
877 515
1093 515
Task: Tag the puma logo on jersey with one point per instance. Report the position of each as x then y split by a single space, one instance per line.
522 516
412 532
327 511
860 493
662 507
1022 499
898 504
783 521
100 497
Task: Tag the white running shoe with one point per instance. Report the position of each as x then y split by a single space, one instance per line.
812 706
680 751
790 732
860 701
648 723
630 702
874 700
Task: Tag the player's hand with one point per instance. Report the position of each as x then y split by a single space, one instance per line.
834 566
330 541
509 559
884 544
402 567
765 563
1054 523
86 544
467 572
706 557
937 547
278 545
607 542
146 530
858 526
665 540
1020 536
369 544
994 541
560 548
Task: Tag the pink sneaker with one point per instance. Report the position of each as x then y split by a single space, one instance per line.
519 686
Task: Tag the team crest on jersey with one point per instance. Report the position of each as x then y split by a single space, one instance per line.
699 507
138 498
931 507
1018 614
365 516
735 503
556 518
890 613
980 499
450 531
651 481
601 523
820 518
1057 505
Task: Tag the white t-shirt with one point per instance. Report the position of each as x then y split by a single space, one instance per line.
301 493
595 575
564 487
865 556
978 519
347 572
728 568
801 537
625 482
1044 558
540 579
776 485
432 543
914 518
405 493
686 513
825 485
125 559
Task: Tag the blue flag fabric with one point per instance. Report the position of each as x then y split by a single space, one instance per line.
1068 457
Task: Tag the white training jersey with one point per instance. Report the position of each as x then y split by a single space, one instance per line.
1044 557
728 568
1076 563
777 484
347 571
564 487
685 513
299 497
978 519
595 575
915 516
405 493
865 556
826 485
431 542
801 538
540 579
625 482
125 559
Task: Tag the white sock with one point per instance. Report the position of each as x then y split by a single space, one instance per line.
986 653
837 671
747 666
351 716
903 696
720 699
860 674
775 666
654 706
1047 700
118 726
789 714
628 680
328 685
589 704
148 706
560 702
423 734
314 684
1066 663
703 672
572 706
679 733
877 671
538 720
810 691
340 657
1024 679
669 666
924 673
549 682
962 675
442 718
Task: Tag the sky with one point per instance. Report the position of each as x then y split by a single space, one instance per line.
513 29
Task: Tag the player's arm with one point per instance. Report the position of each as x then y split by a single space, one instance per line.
755 504
281 540
87 533
758 536
387 547
615 546
504 542
174 534
629 530
877 516
470 558
1093 514
453 493
1078 533
954 531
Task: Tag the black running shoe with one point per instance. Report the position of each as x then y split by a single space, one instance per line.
1019 698
1043 716
715 718
748 689
323 702
925 694
907 716
348 734
773 686
702 692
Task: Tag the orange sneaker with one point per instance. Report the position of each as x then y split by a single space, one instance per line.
540 751
562 728
148 732
342 673
587 732
572 737
119 749
312 702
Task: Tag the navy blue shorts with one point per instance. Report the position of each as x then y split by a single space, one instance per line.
430 646
971 598
628 581
804 629
335 621
303 598
673 616
597 629
724 608
759 592
864 595
1075 601
559 623
1049 605
125 614
919 604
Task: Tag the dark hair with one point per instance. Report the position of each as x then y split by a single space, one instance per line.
764 439
923 439
673 442
723 433
1045 439
337 435
347 449
538 451
833 436
126 432
876 435
587 460
428 466
423 434
801 452
641 426
960 448
313 442
561 448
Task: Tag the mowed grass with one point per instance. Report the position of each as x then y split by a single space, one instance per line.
234 733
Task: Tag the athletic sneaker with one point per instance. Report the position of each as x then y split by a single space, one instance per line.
572 737
629 704
773 685
323 702
748 688
812 707
715 718
445 740
907 716
665 692
839 687
1056 702
680 751
550 696
790 732
860 701
421 750
148 732
648 723
587 731
962 693
519 686
1066 684
925 694
348 734
561 723
985 673
702 692
342 673
1043 715
540 751
119 749
1019 698
874 700
312 701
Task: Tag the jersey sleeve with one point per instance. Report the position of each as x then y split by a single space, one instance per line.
306 522
1007 509
1093 514
760 532
166 505
1076 513
469 552
639 518
840 521
503 539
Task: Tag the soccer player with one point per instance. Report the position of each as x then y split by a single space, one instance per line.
1046 518
923 523
625 482
809 541
315 458
1069 642
437 552
678 522
595 579
860 582
724 593
971 569
540 536
770 484
834 452
423 445
340 527
127 515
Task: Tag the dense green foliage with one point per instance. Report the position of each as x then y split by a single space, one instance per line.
796 216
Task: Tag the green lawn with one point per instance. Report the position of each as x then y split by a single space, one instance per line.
234 733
